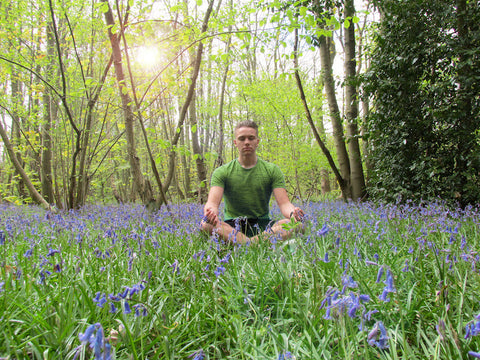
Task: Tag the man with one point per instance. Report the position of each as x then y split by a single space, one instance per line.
246 185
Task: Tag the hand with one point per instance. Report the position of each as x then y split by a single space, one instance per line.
297 214
211 216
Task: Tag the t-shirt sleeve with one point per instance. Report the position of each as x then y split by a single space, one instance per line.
278 178
218 178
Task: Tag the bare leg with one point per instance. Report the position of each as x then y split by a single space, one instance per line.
226 233
277 230
231 236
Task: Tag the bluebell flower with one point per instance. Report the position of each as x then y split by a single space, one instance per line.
378 336
225 259
113 309
474 354
100 299
368 315
52 252
323 231
126 308
285 355
348 282
379 274
2 284
140 310
198 355
389 282
86 336
220 271
96 341
174 266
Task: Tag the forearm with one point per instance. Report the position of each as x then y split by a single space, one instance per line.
287 209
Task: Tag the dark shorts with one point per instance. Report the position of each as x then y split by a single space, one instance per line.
249 227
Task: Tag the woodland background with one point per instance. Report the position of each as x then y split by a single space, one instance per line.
135 101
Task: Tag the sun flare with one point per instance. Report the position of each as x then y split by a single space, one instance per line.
147 56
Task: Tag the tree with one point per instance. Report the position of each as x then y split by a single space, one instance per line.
425 84
317 17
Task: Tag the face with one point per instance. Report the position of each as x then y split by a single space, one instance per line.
246 140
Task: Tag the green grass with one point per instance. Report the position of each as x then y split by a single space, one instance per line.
239 302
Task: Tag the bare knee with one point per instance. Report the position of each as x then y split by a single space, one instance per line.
206 227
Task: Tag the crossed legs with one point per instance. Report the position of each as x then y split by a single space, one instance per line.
231 236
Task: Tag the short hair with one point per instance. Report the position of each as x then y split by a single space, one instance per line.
247 123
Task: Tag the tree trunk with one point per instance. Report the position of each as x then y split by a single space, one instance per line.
36 196
139 184
221 125
198 155
193 80
338 136
319 140
357 179
47 153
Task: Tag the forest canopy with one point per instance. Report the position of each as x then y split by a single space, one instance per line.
135 101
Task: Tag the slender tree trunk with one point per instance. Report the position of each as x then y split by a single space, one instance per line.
83 167
16 133
221 125
186 167
138 179
47 152
35 195
335 116
323 147
197 151
357 179
188 99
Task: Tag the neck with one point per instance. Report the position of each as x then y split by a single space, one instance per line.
248 161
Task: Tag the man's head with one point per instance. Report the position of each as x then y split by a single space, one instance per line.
246 123
246 137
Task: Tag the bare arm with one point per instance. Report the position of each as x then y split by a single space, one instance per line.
286 207
210 210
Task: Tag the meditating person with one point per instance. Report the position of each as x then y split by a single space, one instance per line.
246 185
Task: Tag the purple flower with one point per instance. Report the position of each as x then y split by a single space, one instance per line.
96 341
126 308
474 354
378 336
220 271
52 252
198 355
100 299
174 267
379 274
348 282
389 282
84 337
113 309
285 355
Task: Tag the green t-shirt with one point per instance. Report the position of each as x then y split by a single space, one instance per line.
247 192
